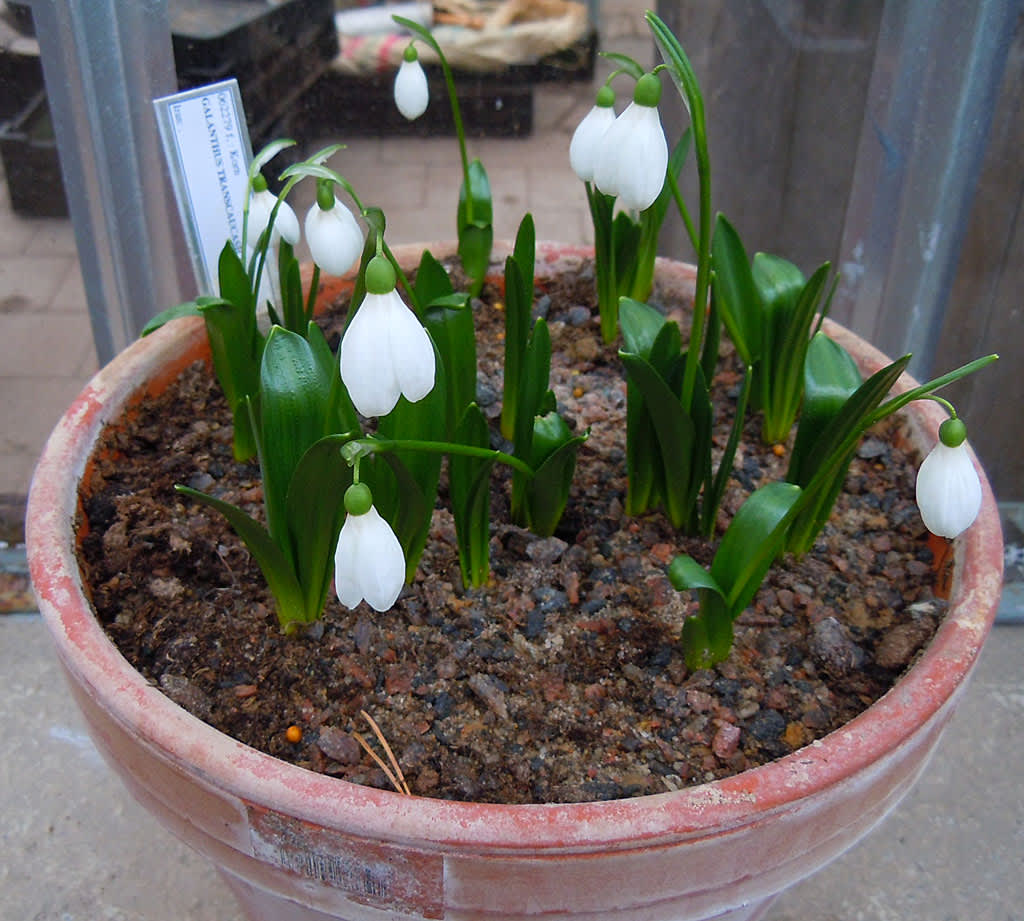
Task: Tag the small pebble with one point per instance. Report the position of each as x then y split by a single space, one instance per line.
833 649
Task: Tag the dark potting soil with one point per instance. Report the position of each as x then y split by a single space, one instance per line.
560 681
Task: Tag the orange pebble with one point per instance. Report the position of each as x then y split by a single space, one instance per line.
779 450
293 734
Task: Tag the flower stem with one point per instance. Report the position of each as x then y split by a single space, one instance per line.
373 445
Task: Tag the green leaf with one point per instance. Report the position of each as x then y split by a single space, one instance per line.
831 377
518 308
316 512
751 543
188 309
554 452
294 413
707 636
449 320
432 281
685 573
530 402
524 252
473 222
470 479
675 434
735 292
276 568
626 63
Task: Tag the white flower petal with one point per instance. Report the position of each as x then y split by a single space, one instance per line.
586 140
286 224
948 490
632 157
412 352
346 569
411 91
381 562
335 238
366 365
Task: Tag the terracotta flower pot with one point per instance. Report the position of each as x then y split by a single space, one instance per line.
298 845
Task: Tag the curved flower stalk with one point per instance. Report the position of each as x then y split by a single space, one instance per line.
948 487
385 352
334 236
475 212
632 155
412 94
368 563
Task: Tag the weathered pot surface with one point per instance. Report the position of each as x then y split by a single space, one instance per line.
298 845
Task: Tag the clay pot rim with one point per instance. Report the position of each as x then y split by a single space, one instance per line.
922 696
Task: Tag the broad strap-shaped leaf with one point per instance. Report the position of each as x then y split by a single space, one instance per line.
831 377
316 511
294 412
707 635
553 457
449 320
470 481
432 281
533 400
524 251
473 222
735 292
518 308
188 309
275 566
675 433
752 542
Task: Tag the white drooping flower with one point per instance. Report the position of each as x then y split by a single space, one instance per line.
411 91
633 154
334 236
948 486
368 563
261 205
385 352
586 140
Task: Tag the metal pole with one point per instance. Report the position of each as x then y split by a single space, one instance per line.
104 61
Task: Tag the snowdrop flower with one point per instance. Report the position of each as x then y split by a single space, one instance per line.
633 154
385 352
586 139
948 488
261 204
368 562
411 92
334 236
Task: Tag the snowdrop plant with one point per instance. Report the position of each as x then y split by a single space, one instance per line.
350 445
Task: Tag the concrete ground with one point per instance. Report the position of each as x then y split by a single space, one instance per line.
76 848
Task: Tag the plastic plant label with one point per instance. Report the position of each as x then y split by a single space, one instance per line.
206 142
